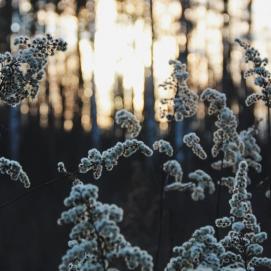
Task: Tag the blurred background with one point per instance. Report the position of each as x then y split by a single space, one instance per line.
118 53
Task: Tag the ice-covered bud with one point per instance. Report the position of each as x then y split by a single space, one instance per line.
128 121
61 167
259 237
253 98
191 140
174 169
216 100
202 181
238 226
197 193
259 262
92 162
163 146
254 250
111 156
223 222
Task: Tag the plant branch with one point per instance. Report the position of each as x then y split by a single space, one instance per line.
33 189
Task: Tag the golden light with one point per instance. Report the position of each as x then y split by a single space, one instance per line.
105 54
110 52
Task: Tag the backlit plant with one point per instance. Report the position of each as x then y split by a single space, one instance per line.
95 240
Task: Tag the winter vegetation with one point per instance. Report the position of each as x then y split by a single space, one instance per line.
95 242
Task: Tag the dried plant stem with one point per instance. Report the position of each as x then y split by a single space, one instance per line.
100 240
218 209
218 199
35 188
161 215
244 255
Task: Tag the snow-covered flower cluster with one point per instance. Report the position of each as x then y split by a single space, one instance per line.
61 168
240 249
174 169
260 73
184 103
216 100
191 140
163 146
199 182
235 146
21 72
248 151
95 238
128 121
96 160
226 138
201 251
14 170
244 239
252 151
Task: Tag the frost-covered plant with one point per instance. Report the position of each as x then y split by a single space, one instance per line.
240 249
252 151
201 251
95 238
14 170
174 169
184 103
128 121
163 146
226 122
245 237
21 72
61 168
191 140
199 182
260 73
96 161
234 146
226 139
217 100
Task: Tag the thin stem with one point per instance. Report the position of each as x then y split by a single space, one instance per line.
244 254
161 215
219 194
99 238
99 242
218 209
33 189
